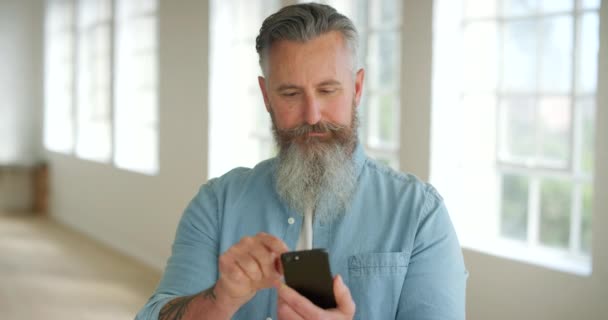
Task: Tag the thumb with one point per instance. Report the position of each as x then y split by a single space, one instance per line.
343 298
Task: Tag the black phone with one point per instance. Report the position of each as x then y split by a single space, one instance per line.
308 273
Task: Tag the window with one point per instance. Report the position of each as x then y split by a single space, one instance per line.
379 26
239 126
59 128
241 141
93 65
100 81
135 102
513 125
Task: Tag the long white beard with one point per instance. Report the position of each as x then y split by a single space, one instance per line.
316 174
321 179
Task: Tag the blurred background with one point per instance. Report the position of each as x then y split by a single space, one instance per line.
114 112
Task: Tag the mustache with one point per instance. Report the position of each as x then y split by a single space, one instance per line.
319 127
337 132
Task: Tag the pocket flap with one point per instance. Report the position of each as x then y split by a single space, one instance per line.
378 260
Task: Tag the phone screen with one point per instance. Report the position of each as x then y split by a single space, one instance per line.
308 273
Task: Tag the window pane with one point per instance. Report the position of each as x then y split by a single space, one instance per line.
587 59
137 148
383 60
586 218
480 55
518 128
266 148
586 108
143 30
555 121
591 4
479 8
135 104
514 207
519 7
550 6
246 139
130 8
556 55
94 140
555 207
59 84
345 7
385 13
384 117
519 57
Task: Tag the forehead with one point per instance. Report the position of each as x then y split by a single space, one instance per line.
325 56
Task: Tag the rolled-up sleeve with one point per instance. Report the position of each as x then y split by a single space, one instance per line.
192 266
435 283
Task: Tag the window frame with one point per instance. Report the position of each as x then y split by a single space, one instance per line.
79 33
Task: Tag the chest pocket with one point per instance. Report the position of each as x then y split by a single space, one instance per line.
375 282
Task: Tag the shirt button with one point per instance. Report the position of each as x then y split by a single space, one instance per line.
291 220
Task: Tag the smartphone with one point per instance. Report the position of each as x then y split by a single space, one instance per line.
308 273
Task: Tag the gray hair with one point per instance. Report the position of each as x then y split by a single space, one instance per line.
304 22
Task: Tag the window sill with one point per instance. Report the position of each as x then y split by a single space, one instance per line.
542 256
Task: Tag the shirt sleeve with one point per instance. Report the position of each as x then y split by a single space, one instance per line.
192 266
435 283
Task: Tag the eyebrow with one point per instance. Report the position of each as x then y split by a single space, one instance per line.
288 86
329 83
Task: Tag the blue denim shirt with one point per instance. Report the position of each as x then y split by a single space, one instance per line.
395 247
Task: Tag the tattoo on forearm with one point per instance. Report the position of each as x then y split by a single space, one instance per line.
176 308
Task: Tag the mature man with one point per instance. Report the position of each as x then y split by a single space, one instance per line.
390 240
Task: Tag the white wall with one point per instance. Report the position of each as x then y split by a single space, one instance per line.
20 99
500 288
134 213
20 81
21 27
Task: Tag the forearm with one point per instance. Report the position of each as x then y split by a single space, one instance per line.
206 303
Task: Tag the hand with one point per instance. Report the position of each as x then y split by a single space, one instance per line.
248 266
293 306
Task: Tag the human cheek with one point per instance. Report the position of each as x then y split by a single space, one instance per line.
287 116
339 111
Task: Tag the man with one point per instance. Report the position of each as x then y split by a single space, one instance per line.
390 240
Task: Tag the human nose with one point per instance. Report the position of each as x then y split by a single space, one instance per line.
312 110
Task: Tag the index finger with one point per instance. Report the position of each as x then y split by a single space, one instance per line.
273 243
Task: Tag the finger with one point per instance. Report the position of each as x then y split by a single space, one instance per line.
273 243
300 304
285 312
266 263
230 270
246 263
343 298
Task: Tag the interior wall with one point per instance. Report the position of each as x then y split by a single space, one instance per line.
21 52
135 213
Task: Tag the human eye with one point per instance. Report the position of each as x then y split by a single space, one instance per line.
328 91
289 93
